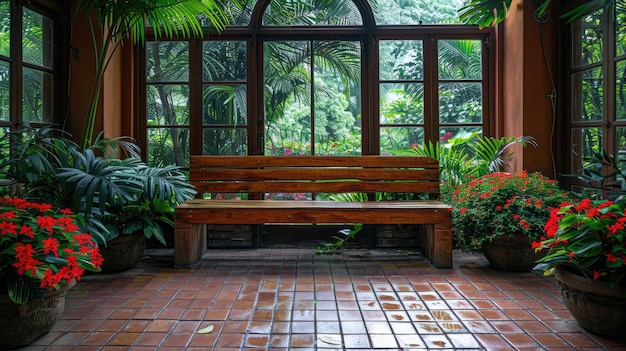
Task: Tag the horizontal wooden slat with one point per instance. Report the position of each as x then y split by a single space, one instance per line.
338 173
267 211
197 161
309 187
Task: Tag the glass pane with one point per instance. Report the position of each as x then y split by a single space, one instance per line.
5 92
291 133
447 133
239 12
620 30
37 101
168 146
5 28
620 90
460 103
312 12
222 141
167 61
167 105
224 104
395 140
337 123
37 41
401 60
585 142
402 103
416 11
460 59
224 61
300 113
287 82
621 148
587 99
587 39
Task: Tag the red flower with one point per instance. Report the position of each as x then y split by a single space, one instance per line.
50 279
8 228
596 275
24 261
46 222
66 211
8 215
571 256
610 257
51 245
28 231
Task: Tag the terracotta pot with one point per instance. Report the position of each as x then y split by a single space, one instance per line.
20 325
594 304
511 253
123 252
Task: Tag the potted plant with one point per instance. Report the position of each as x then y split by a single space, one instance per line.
502 214
153 193
42 254
585 247
113 196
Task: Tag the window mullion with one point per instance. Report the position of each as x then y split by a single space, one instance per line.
431 91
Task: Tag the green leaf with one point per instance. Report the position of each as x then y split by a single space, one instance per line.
485 13
205 330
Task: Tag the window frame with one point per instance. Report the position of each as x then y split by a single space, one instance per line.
369 34
58 13
608 123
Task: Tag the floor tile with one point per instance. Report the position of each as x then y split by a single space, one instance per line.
295 299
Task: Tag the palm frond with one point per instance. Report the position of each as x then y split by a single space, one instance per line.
484 13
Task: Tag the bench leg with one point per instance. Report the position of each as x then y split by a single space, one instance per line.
436 243
190 242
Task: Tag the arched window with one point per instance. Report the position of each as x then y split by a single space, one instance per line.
318 77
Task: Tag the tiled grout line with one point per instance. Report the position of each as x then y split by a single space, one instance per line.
473 307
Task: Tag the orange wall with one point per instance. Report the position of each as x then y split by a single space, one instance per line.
526 109
82 66
115 108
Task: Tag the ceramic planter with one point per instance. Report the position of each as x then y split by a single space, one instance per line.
594 304
20 325
511 253
123 252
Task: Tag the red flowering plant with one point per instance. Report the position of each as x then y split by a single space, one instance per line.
41 249
501 203
588 236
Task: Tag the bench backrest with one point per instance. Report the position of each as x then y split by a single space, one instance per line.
314 174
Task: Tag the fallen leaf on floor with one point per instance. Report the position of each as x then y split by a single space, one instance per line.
330 339
206 330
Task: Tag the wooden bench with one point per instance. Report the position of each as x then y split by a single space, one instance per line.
254 176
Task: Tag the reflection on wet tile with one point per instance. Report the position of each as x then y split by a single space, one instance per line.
427 328
452 327
437 342
294 299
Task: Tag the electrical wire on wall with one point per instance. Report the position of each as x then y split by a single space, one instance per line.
542 18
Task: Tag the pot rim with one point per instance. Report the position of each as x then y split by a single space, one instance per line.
575 280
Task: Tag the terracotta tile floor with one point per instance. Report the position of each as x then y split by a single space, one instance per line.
293 299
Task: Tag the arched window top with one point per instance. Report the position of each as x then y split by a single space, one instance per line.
365 13
411 12
312 13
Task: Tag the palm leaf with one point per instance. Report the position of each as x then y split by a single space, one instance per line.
491 152
485 13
